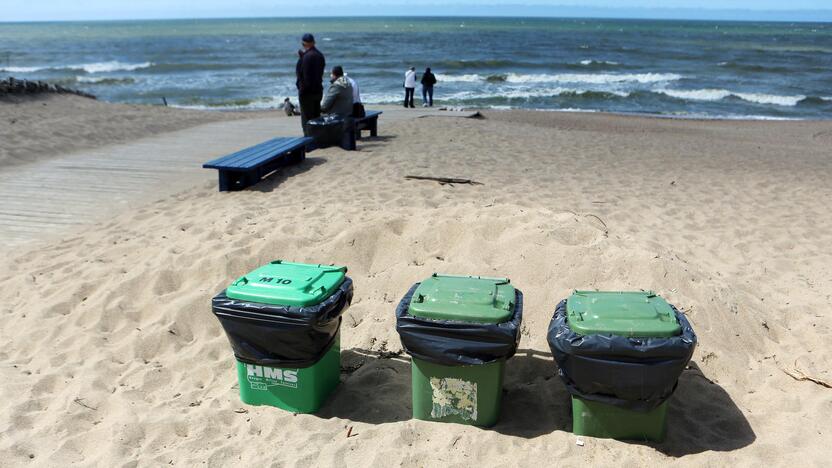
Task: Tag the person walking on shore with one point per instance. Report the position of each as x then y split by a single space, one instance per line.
428 80
310 72
409 86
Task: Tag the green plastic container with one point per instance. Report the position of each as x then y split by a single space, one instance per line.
460 394
632 314
296 390
287 283
291 284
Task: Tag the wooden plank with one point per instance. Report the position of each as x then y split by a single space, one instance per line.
257 154
240 158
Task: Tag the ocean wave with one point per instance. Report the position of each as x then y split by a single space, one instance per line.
594 78
587 78
103 80
720 94
242 104
760 98
754 67
22 69
697 94
471 78
598 62
96 67
506 95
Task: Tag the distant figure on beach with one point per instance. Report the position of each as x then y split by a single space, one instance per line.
409 86
428 80
338 99
289 108
357 106
310 72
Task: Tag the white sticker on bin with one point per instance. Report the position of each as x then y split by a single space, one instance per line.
454 397
262 377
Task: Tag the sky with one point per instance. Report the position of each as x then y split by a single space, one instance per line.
71 10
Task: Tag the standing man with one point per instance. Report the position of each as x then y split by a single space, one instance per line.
428 80
409 87
310 72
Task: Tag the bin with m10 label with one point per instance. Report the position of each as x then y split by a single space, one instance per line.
283 321
459 330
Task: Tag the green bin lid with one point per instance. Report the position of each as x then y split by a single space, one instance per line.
464 298
287 283
625 313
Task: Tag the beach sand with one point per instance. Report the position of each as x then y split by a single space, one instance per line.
111 355
39 127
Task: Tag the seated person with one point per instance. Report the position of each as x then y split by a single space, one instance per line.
357 107
289 108
338 99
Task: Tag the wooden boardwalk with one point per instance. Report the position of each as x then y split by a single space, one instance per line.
47 198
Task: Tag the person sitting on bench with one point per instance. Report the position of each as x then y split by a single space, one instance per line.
357 107
338 99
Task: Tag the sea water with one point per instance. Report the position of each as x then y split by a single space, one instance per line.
674 68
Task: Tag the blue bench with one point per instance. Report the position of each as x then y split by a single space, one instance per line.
246 167
368 122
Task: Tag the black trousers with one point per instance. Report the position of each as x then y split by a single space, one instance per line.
408 97
310 108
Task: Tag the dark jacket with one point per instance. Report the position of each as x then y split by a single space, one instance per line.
310 71
338 99
428 79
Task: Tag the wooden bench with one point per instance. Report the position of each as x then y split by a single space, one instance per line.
368 122
246 167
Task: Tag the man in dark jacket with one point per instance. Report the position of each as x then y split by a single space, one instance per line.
428 80
310 72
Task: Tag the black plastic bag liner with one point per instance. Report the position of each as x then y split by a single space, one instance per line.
328 130
455 343
632 373
282 336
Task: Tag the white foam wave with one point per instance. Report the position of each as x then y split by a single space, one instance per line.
826 98
460 78
759 98
598 62
106 67
594 78
697 94
587 78
95 67
21 69
518 94
719 94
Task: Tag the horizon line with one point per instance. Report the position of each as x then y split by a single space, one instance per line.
612 16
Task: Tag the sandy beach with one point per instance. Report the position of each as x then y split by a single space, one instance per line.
112 357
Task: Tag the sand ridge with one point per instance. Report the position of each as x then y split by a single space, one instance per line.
113 356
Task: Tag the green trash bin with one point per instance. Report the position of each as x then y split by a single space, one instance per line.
620 354
283 321
451 326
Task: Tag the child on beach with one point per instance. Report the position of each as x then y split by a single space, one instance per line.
289 108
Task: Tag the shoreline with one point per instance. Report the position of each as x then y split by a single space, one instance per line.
693 117
78 123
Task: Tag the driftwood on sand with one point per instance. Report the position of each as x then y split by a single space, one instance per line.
444 180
